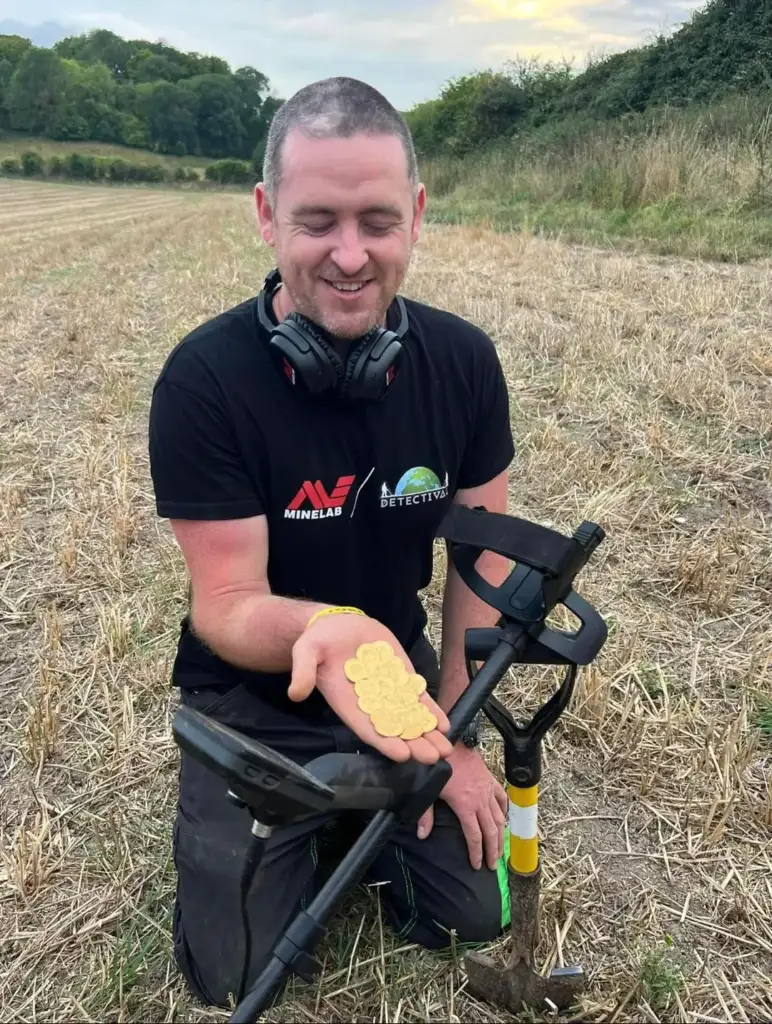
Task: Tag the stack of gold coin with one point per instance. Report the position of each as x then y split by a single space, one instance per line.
388 693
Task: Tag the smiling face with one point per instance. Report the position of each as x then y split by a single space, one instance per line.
343 226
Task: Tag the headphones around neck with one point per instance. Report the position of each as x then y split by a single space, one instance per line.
309 361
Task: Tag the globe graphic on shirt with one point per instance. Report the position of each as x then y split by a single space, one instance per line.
417 480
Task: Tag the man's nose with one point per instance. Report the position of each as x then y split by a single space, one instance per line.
349 254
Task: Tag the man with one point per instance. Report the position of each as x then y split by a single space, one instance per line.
287 502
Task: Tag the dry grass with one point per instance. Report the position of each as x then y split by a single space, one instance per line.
641 397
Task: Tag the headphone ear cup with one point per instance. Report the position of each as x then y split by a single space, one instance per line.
304 356
356 359
371 367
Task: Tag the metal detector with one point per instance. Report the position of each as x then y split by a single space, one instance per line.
277 790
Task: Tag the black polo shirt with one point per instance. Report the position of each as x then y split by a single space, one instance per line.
353 493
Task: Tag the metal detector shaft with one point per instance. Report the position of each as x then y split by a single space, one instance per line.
308 926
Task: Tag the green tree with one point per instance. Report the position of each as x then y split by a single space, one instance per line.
6 70
472 111
253 89
154 67
35 91
218 105
90 95
98 46
13 48
170 114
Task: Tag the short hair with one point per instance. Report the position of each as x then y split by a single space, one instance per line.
334 108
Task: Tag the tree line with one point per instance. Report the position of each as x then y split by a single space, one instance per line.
100 87
723 49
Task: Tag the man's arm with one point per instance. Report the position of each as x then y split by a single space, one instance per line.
232 608
462 609
235 614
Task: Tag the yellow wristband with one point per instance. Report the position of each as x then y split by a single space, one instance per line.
336 610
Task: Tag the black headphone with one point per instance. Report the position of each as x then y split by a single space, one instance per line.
309 361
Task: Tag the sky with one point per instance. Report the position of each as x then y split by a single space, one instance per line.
408 49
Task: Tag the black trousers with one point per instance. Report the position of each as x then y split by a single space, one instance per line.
431 886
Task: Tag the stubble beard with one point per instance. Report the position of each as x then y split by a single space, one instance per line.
341 328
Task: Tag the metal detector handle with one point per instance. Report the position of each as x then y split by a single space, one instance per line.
546 562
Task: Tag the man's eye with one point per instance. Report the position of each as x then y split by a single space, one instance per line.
318 229
378 229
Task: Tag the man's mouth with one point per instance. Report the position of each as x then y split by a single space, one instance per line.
347 286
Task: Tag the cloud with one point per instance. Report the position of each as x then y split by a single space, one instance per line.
538 11
408 49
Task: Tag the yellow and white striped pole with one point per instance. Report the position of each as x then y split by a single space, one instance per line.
523 828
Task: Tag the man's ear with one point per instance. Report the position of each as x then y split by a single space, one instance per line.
418 212
264 214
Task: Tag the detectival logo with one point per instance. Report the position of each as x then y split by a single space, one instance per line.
319 504
415 487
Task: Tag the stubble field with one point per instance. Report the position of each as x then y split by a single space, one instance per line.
641 396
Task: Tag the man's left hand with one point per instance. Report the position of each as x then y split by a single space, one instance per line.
480 804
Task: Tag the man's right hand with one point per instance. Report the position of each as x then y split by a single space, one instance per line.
318 657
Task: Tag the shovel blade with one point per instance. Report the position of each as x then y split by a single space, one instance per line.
518 985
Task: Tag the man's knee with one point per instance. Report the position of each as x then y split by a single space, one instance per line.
474 920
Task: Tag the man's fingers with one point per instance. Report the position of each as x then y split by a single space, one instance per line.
501 822
501 798
426 823
423 750
474 839
441 743
304 665
492 836
443 722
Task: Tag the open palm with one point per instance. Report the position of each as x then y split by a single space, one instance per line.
318 658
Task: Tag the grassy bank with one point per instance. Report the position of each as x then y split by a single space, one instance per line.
13 144
695 183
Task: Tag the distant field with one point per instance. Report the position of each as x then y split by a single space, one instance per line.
14 144
641 398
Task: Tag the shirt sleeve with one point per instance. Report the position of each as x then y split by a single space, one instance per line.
491 447
195 466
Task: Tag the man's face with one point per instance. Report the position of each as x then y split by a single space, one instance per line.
344 216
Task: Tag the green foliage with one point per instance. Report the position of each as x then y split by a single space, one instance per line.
661 980
229 172
31 163
218 103
471 111
725 49
87 167
170 114
13 48
35 91
142 94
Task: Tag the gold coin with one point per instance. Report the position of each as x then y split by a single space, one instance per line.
416 683
386 722
403 701
355 670
375 654
370 704
396 667
367 687
418 722
430 720
414 725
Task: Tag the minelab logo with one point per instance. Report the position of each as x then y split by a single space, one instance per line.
322 504
415 487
